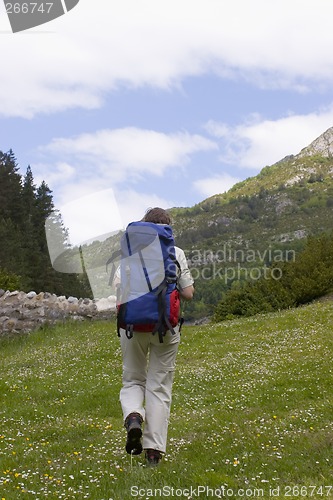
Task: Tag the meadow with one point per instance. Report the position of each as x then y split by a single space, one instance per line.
252 413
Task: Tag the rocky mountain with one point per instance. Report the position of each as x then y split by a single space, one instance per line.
322 146
284 203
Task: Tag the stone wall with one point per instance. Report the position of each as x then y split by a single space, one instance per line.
22 312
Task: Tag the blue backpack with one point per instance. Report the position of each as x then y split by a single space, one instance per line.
147 298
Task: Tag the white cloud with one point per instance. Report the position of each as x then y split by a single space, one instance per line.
95 48
128 153
215 185
259 142
61 172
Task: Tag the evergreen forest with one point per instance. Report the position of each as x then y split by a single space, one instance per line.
24 258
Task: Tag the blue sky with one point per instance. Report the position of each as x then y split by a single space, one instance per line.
124 106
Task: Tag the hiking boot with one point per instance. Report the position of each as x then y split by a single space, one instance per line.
153 457
133 424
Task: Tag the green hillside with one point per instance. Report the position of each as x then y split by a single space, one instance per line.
252 413
260 220
283 203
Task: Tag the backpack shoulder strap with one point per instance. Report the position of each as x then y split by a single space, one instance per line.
115 256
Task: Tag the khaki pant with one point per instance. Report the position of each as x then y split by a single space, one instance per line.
148 371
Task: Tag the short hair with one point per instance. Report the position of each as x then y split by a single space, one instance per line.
157 216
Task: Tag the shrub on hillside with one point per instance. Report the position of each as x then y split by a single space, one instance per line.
300 282
9 281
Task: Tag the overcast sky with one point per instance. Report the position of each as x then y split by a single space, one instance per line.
120 106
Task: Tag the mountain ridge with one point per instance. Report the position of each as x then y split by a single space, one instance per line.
311 168
322 146
307 162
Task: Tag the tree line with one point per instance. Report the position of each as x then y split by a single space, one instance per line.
24 258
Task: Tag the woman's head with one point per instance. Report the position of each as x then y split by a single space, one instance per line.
157 216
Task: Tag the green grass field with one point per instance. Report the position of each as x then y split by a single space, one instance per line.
252 413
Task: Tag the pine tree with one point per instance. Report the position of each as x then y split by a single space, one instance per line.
11 213
10 188
28 241
29 193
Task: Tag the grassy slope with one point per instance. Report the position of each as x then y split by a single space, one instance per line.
252 410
